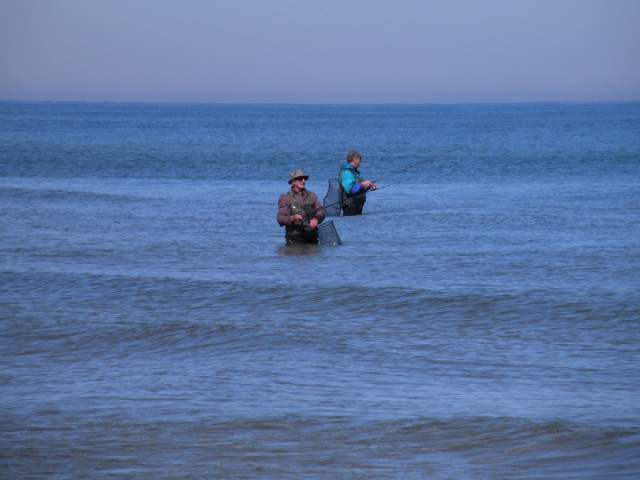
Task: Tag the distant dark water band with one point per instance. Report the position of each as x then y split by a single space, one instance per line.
294 446
177 298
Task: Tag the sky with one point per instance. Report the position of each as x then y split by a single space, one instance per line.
320 51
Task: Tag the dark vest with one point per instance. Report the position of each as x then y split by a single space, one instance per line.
351 204
301 232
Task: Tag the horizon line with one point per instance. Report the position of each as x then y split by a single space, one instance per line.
290 103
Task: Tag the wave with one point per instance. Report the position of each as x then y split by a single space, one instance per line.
61 317
45 194
294 446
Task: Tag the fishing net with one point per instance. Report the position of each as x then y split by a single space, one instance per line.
331 200
328 235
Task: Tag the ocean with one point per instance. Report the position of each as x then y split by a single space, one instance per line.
481 319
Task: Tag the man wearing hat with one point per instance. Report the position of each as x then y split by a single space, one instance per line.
299 211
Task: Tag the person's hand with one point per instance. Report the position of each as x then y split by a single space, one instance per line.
296 218
369 185
313 223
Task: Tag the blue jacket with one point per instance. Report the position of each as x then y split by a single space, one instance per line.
350 179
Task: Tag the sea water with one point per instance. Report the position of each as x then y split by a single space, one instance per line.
480 321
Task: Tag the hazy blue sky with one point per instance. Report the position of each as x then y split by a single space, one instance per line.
320 51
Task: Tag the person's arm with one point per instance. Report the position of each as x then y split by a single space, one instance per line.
284 211
357 188
353 185
349 182
368 185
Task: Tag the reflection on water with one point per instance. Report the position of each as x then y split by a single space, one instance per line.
297 249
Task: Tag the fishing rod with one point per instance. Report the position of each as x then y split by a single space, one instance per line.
387 185
433 157
408 167
339 202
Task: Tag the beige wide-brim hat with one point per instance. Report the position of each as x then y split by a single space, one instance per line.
297 173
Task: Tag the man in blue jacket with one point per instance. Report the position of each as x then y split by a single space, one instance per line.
353 187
